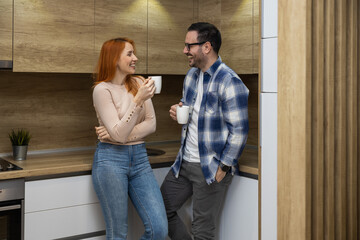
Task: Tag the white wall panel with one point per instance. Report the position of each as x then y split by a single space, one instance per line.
269 18
269 65
268 132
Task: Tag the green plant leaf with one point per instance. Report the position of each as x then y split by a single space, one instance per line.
20 137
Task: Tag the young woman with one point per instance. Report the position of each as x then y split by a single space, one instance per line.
121 167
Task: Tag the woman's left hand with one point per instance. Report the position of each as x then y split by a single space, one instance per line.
102 133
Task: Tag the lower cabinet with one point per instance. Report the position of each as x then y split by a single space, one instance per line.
68 208
239 216
64 222
60 208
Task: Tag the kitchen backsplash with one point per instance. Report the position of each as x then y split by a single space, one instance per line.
57 109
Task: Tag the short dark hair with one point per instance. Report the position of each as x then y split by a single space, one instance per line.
207 32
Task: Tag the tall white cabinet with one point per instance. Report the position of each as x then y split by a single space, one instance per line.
268 119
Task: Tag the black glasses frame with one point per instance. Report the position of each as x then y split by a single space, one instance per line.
188 45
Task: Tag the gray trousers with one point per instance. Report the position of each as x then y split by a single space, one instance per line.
207 200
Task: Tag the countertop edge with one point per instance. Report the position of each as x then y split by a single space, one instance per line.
81 161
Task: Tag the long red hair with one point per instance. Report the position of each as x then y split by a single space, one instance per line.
106 66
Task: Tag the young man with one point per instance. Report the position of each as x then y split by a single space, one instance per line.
212 140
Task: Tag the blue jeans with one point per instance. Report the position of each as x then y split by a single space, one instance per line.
120 171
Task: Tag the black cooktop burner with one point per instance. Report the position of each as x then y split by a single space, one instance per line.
7 166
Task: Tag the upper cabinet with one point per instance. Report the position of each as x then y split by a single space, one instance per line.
66 36
125 18
6 11
238 22
167 25
237 31
54 36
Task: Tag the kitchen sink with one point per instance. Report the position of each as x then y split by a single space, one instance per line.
154 152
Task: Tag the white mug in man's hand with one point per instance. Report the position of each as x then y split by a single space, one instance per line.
182 114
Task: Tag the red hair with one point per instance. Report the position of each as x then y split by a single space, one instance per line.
106 66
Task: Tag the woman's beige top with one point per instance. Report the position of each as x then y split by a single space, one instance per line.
126 123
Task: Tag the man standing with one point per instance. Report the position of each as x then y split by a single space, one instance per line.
212 140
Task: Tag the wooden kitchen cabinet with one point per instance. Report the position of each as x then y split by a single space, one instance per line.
237 31
125 18
58 36
167 26
54 36
238 22
6 7
256 35
66 36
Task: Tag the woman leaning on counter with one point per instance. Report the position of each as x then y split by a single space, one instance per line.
121 167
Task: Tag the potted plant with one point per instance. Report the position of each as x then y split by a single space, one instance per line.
20 139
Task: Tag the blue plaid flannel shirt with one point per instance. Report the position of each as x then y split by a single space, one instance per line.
223 123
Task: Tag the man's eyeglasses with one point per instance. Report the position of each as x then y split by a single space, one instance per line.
188 45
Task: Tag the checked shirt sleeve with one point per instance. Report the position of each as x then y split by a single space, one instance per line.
234 95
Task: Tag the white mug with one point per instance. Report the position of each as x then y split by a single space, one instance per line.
157 82
182 114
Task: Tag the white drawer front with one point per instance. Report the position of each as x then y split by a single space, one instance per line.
96 238
57 193
64 222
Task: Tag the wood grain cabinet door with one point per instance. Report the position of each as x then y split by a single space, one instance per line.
6 17
238 22
167 26
256 36
54 36
125 18
239 27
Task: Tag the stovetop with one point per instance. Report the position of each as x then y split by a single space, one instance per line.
7 166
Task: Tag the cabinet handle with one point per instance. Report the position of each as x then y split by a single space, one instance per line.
12 207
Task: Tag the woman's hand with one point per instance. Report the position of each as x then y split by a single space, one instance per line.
172 110
145 92
102 133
